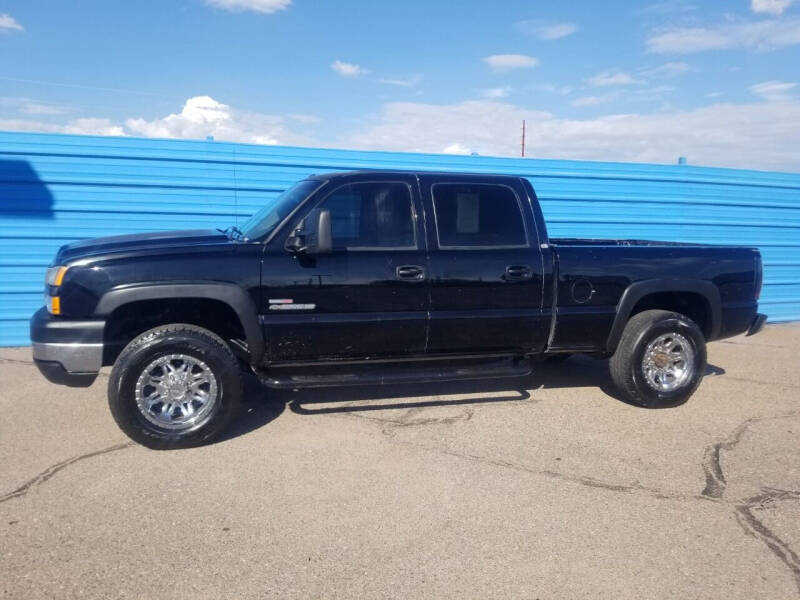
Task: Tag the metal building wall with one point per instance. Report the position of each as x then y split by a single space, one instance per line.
58 188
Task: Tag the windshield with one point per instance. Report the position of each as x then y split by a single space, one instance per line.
278 208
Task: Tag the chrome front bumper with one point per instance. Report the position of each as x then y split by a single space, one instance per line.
67 351
74 357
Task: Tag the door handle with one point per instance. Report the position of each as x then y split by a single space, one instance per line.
410 272
518 272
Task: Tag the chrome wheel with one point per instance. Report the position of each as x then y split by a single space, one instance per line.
668 362
177 392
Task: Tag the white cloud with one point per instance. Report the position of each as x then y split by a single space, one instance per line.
346 69
773 7
412 81
27 106
506 62
9 23
28 125
305 119
261 6
551 88
759 135
456 148
90 126
546 30
756 35
773 90
495 92
619 78
650 94
39 108
593 100
607 78
667 70
202 116
669 8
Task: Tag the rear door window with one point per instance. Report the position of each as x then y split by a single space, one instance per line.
478 216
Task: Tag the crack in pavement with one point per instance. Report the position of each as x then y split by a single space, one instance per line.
391 425
756 528
53 469
576 479
714 490
745 515
712 467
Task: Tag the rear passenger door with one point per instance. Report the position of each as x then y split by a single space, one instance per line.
485 266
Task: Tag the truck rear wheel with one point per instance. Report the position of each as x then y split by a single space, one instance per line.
174 386
660 359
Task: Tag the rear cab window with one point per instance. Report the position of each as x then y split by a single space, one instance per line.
478 215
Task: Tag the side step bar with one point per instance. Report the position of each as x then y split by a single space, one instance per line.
400 373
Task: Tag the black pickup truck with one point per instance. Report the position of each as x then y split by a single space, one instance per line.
378 277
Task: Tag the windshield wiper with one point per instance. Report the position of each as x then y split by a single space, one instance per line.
233 233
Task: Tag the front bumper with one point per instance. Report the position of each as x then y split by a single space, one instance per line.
757 325
66 351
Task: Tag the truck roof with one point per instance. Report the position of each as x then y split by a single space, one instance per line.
397 172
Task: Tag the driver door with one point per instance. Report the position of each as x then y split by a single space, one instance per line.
369 296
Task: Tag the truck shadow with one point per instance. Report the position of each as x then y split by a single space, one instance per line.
262 405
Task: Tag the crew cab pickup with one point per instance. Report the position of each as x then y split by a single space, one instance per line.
378 277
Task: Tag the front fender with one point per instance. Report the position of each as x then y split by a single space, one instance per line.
229 293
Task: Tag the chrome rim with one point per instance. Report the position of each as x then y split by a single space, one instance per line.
176 392
668 362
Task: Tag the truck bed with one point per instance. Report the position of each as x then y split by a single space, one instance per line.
611 242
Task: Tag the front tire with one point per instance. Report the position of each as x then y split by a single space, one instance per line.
660 359
174 386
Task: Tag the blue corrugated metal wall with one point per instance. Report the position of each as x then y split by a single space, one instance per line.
58 188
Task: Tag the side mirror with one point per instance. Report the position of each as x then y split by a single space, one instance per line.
313 235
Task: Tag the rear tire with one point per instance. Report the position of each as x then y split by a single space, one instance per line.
660 359
174 386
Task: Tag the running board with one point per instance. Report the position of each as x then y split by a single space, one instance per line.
384 374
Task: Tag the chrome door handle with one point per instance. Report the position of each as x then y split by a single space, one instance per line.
518 272
410 272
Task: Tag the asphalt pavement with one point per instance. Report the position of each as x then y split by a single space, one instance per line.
546 487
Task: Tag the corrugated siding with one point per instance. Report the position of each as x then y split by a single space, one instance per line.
56 189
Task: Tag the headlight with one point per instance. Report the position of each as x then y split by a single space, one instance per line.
55 275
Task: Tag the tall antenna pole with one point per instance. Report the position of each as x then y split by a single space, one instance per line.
523 138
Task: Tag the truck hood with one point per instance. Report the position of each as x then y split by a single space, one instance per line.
138 242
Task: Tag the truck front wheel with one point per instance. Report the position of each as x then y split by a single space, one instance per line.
660 359
174 386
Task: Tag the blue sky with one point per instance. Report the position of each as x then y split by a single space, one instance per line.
716 81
